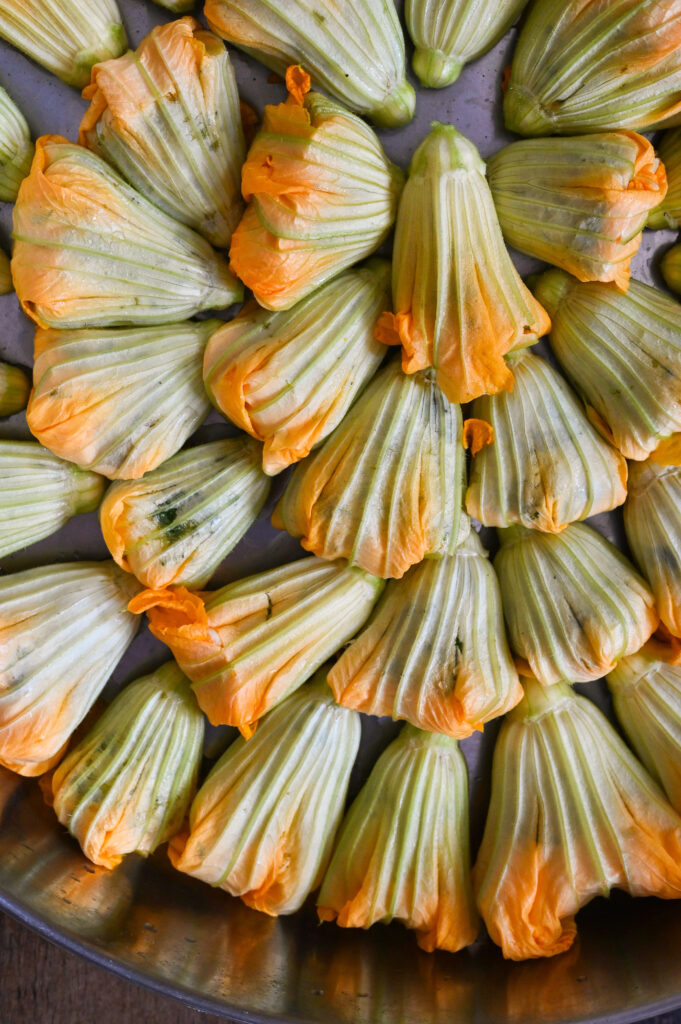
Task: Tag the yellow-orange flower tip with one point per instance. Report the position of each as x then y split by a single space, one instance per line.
297 84
477 434
177 606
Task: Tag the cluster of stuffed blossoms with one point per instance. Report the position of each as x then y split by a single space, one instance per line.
398 610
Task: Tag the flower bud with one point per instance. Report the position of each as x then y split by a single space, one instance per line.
16 148
263 823
63 629
126 787
167 117
90 251
14 389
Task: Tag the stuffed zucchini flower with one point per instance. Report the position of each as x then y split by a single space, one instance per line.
646 693
385 490
622 353
39 493
5 274
670 265
321 195
248 645
448 34
263 823
289 378
581 66
16 148
63 628
353 49
402 851
434 651
668 213
579 203
14 389
176 524
167 117
90 251
66 36
459 303
572 816
119 401
126 787
547 466
573 604
652 520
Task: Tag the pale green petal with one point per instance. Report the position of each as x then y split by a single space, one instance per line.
63 629
668 213
588 67
263 823
547 465
66 36
622 353
385 490
572 816
646 693
579 203
16 148
167 117
449 33
573 604
90 251
126 787
289 378
652 520
177 523
40 493
14 389
353 49
402 852
434 651
119 402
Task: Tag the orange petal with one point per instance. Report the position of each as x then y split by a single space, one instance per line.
297 83
477 434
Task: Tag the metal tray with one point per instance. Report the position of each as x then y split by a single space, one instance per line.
174 934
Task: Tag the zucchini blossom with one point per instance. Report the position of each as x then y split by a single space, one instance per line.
434 651
90 251
119 401
459 303
127 785
321 196
668 213
289 378
385 490
547 466
572 816
579 203
573 604
448 34
251 643
263 823
646 693
176 524
40 493
652 520
167 117
66 36
16 148
581 66
353 49
402 851
622 353
63 629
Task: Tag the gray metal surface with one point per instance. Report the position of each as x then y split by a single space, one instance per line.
172 933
